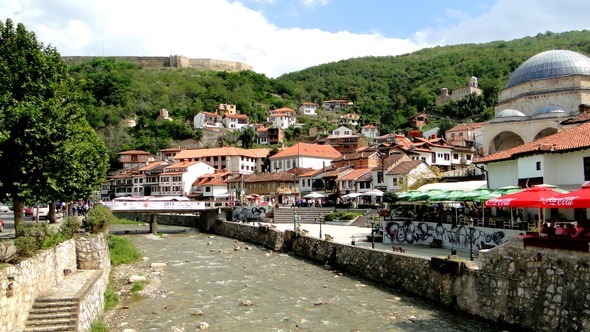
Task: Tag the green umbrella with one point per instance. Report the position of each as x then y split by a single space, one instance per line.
407 195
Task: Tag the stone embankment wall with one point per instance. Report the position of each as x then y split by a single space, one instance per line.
23 282
526 288
163 219
92 252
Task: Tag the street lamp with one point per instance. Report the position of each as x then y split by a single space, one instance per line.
471 231
316 220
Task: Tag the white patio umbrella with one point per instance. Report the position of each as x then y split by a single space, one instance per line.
314 194
374 193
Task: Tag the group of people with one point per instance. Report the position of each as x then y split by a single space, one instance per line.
572 230
77 208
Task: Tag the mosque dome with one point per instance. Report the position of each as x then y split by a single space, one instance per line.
550 64
508 113
550 109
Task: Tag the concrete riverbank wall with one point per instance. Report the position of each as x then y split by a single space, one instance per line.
23 282
524 287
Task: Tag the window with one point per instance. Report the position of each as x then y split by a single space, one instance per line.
586 168
455 156
538 164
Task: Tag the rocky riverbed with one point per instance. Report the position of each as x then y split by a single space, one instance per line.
197 281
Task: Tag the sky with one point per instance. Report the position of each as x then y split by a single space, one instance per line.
282 36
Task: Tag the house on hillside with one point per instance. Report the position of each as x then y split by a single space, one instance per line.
282 118
207 120
344 140
308 109
235 121
336 105
135 158
460 93
370 131
349 119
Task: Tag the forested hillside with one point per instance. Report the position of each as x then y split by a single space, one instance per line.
385 90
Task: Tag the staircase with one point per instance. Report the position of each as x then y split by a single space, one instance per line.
306 215
53 314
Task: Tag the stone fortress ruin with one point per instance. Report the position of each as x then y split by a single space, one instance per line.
172 61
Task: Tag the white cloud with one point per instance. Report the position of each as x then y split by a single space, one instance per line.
314 3
228 30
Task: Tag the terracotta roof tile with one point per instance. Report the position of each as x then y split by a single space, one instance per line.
572 139
134 152
224 151
354 174
404 167
275 176
308 150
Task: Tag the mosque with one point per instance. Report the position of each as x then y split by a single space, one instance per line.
542 92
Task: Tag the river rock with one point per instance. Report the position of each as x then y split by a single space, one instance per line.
155 265
136 278
198 313
246 303
203 326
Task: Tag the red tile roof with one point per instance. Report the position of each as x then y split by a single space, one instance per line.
224 151
236 116
354 174
135 152
577 138
308 150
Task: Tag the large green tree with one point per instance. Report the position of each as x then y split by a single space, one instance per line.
48 151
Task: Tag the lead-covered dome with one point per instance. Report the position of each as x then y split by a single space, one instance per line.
510 113
550 64
550 109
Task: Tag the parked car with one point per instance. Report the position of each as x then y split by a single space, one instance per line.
41 209
28 211
4 208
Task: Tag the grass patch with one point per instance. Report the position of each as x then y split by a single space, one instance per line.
98 326
138 286
127 222
111 298
122 250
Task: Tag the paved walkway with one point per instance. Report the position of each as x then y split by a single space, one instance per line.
343 234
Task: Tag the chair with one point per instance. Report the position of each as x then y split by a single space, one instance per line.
479 222
492 222
507 224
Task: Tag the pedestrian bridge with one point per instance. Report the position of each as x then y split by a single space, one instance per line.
205 212
163 206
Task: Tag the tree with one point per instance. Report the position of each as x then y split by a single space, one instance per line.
48 151
247 137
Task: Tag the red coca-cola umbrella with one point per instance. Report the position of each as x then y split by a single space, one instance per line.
533 197
577 199
530 197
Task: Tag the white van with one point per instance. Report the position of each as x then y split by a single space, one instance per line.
42 210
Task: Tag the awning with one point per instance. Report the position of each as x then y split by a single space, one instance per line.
448 186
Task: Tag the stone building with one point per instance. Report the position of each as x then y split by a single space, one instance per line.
542 92
458 94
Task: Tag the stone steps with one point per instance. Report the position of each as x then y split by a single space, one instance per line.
306 214
53 315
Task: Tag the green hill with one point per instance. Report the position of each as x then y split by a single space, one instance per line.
385 90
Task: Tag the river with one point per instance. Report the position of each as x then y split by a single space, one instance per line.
236 286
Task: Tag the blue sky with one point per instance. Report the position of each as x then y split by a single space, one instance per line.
282 36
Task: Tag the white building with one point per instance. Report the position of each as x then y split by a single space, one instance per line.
304 155
370 131
177 179
308 109
207 120
231 159
282 118
235 121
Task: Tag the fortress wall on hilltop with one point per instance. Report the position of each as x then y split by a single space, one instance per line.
173 61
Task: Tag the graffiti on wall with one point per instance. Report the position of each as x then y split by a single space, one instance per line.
416 232
248 213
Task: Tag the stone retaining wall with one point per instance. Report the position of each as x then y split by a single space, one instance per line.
524 288
23 282
163 219
92 253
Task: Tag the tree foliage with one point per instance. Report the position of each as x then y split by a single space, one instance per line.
48 151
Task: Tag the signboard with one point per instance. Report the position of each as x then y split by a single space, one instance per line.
156 206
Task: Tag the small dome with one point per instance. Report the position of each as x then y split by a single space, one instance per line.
550 64
508 113
549 109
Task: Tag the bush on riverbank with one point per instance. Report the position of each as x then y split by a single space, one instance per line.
99 218
37 236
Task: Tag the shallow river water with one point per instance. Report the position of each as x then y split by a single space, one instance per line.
236 286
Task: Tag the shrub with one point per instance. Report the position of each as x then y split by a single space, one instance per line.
330 216
99 218
99 326
348 216
111 298
32 237
138 286
70 226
